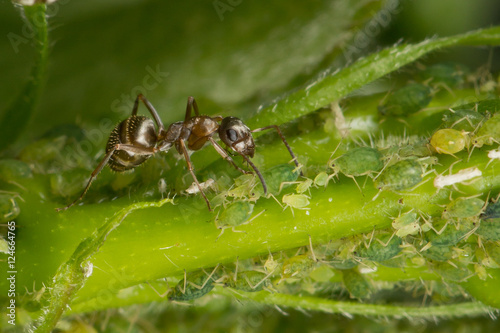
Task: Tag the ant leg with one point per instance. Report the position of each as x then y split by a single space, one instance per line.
191 104
282 139
105 160
182 147
264 186
225 155
151 109
94 174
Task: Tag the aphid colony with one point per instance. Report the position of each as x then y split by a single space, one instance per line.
452 246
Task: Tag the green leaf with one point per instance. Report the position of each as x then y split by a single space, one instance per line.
17 116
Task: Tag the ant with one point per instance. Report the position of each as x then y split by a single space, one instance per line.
135 139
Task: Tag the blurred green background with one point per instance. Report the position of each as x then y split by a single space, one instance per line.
232 61
103 53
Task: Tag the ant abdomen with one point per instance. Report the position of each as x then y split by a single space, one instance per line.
138 131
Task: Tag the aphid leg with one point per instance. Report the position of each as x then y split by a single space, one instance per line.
156 291
312 249
282 139
183 290
226 156
359 188
236 269
182 145
92 177
208 278
151 109
258 283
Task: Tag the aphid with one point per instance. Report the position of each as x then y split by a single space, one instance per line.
322 179
136 139
208 184
464 208
489 228
407 100
451 272
11 170
67 183
342 264
193 286
302 186
493 251
276 176
9 209
299 201
234 215
463 175
298 266
449 141
250 281
358 161
401 176
489 132
381 248
462 120
447 234
406 224
449 74
437 253
356 284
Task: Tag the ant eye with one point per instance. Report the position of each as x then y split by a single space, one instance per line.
231 134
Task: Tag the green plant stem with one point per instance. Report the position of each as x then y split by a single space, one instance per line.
18 114
353 308
73 274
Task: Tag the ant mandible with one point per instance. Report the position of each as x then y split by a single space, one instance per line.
135 139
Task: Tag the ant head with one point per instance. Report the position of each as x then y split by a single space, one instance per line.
237 135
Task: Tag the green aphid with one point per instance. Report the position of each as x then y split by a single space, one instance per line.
406 224
451 272
450 74
489 133
68 183
492 211
448 234
342 264
9 209
401 176
12 170
234 215
449 141
484 107
71 131
381 248
358 161
418 149
281 173
464 208
493 251
304 186
438 253
250 281
297 266
356 284
466 120
322 179
489 228
196 285
299 201
407 100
